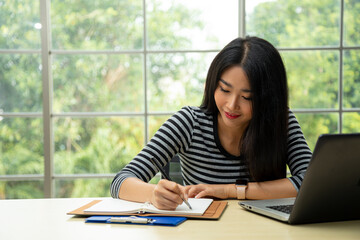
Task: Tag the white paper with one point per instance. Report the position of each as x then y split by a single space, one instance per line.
198 205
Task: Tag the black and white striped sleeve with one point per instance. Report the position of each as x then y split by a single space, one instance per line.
173 136
299 153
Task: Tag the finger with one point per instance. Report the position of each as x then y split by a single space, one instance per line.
173 198
169 191
169 185
177 190
201 194
165 205
186 191
181 190
194 190
187 188
163 200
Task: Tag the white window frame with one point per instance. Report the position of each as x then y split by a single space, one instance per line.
47 115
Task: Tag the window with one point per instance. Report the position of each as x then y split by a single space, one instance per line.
85 84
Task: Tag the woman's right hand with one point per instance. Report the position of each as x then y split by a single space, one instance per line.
168 195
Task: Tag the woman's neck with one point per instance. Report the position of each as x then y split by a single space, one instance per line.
230 137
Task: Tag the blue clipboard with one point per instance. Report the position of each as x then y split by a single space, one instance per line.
138 220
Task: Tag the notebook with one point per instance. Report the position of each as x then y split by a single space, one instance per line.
331 187
199 206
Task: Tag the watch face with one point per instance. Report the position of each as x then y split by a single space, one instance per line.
241 182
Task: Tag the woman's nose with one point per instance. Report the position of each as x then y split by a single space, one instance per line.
233 103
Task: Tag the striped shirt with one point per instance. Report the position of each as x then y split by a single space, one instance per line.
192 135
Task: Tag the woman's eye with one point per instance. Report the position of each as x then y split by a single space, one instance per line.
223 90
247 98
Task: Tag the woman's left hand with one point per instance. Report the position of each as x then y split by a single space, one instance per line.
221 191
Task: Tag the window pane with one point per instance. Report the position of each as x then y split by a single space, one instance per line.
96 145
21 189
20 24
98 83
351 86
351 122
315 124
294 23
176 80
188 24
351 22
312 78
82 188
97 24
20 83
21 146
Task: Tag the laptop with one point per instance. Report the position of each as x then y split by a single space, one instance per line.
330 190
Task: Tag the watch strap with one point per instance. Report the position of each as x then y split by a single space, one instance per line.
241 191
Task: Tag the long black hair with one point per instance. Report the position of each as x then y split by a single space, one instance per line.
264 143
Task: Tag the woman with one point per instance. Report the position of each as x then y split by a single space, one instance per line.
235 145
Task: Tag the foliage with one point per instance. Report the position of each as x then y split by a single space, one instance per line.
304 23
313 76
99 82
18 29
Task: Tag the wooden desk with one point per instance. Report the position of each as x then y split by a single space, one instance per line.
46 219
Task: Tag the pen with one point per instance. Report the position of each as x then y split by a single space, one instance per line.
131 219
167 177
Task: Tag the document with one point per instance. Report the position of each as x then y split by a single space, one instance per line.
199 206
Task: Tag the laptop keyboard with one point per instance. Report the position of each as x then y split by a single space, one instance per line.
282 208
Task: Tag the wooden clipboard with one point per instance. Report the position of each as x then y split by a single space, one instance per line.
214 211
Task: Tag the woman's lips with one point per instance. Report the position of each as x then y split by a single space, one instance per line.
231 115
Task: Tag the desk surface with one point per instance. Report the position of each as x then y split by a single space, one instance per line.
47 219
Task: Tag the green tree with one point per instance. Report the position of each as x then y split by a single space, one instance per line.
103 83
293 23
114 82
82 83
314 75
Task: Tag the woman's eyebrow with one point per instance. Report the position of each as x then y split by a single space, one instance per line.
225 82
229 85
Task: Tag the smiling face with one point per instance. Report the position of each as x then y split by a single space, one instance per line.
233 99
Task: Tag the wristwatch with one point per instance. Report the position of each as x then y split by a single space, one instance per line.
241 186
